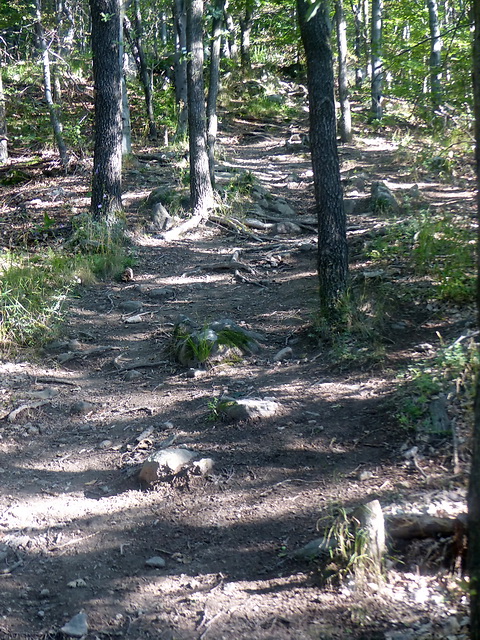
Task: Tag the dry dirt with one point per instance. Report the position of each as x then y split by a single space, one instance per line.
75 526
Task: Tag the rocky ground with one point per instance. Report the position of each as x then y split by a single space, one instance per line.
86 550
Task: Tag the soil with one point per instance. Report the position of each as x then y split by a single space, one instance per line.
76 527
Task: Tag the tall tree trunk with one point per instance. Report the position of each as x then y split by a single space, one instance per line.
230 36
332 241
126 124
435 55
3 122
214 85
360 10
377 63
107 79
345 124
473 558
180 68
47 86
246 24
136 44
201 192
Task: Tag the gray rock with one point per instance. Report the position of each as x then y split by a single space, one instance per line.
158 195
157 562
161 219
80 407
283 354
383 199
133 374
356 205
164 463
315 549
130 306
77 626
286 227
247 408
282 208
162 293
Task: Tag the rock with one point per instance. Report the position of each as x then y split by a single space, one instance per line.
127 275
283 354
203 466
133 374
105 444
162 293
157 562
247 408
158 195
77 626
282 208
130 306
315 549
161 219
164 463
356 205
80 407
286 227
383 200
79 583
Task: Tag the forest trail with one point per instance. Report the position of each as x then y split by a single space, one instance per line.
73 515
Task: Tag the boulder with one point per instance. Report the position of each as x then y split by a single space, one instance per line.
247 408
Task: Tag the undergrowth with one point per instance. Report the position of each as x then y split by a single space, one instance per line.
35 287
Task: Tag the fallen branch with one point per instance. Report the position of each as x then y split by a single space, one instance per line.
12 416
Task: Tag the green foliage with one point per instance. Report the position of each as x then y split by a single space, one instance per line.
453 366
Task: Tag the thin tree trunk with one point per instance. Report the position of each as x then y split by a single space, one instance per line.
136 43
3 123
473 557
246 24
345 124
180 68
126 124
107 79
435 55
359 10
332 241
214 85
201 192
377 63
230 36
47 86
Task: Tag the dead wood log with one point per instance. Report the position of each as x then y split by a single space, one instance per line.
407 527
372 523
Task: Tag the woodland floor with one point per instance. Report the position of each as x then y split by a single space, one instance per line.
70 510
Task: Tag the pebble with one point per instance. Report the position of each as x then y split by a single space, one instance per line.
133 374
105 444
157 562
130 306
77 626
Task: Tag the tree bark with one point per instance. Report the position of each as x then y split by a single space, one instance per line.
473 554
246 24
201 192
3 123
47 86
359 10
332 242
214 85
377 63
180 68
345 124
435 55
107 78
230 36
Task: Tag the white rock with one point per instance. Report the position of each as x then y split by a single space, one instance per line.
157 562
77 626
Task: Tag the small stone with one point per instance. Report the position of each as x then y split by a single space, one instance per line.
44 593
80 407
194 373
77 584
283 354
105 444
33 430
157 562
248 408
41 613
204 466
130 306
133 374
365 475
163 293
77 626
163 463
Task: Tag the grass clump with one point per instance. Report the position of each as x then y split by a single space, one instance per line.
35 287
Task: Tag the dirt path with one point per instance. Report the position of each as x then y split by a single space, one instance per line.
75 519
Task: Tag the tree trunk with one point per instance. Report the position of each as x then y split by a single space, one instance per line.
201 192
3 123
230 36
180 68
345 124
332 242
47 86
214 85
136 42
107 79
435 55
126 125
246 24
473 557
361 49
377 63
